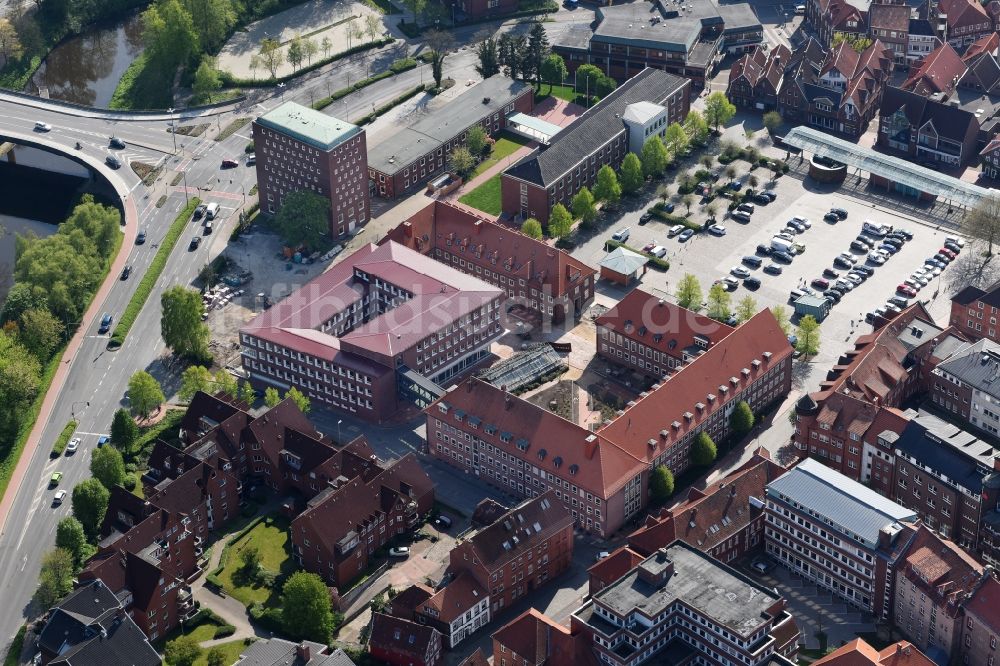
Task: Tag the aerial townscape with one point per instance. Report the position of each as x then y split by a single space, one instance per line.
499 332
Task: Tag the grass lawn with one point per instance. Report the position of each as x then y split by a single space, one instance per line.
270 537
144 85
486 197
502 149
562 92
231 650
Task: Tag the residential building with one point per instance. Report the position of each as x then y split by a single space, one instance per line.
967 21
843 95
616 564
890 24
368 335
836 533
990 161
555 172
602 475
755 78
343 526
534 639
417 153
974 312
933 581
279 652
91 627
921 40
832 17
300 149
652 336
401 642
457 610
860 653
625 39
927 131
938 73
981 629
964 384
680 601
546 281
725 520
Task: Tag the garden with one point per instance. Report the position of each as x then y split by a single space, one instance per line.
253 561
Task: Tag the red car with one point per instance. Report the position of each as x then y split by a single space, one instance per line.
648 247
946 252
906 289
820 283
230 164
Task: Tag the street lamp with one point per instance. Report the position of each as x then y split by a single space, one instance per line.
281 90
173 128
339 421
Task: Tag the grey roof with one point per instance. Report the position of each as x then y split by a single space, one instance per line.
948 121
922 27
122 644
917 332
675 29
445 122
739 17
278 651
712 588
308 125
623 261
71 619
977 365
594 128
947 450
856 510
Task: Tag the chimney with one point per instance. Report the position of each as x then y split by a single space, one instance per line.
996 464
302 652
657 569
478 226
407 229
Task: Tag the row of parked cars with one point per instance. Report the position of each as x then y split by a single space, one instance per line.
932 267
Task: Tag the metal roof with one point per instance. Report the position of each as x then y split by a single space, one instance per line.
622 261
854 509
308 125
895 169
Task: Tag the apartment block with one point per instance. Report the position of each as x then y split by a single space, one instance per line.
300 149
974 312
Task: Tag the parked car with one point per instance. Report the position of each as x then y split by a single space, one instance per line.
685 235
740 216
848 257
867 271
739 271
648 247
773 269
251 160
831 217
830 273
840 213
645 217
659 251
753 261
229 163
858 246
443 521
729 282
906 289
675 230
948 239
820 283
899 302
601 555
843 285
102 440
952 246
802 221
866 240
399 551
795 226
834 294
717 230
746 208
951 254
781 255
764 249
751 282
621 235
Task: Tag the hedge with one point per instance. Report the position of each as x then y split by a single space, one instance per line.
385 108
63 439
324 102
229 80
653 260
660 213
13 656
156 267
402 65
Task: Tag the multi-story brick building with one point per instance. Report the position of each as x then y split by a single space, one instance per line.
755 78
457 610
554 173
927 130
933 581
967 21
534 275
399 642
974 312
299 149
343 525
725 520
859 653
964 384
351 337
981 624
662 606
833 17
653 336
837 533
534 639
416 154
890 24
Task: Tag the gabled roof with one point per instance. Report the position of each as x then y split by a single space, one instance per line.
939 71
609 569
279 652
889 17
947 449
948 121
401 636
976 364
456 598
985 45
539 641
972 294
860 653
963 13
985 604
942 570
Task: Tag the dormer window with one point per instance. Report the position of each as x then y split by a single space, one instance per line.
542 453
557 462
573 469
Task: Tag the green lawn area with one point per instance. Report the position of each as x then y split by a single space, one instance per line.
502 149
486 197
231 650
562 92
270 537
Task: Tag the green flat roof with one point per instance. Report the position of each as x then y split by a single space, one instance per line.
308 125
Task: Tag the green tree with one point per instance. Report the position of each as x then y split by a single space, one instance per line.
532 228
439 42
607 187
90 503
719 302
587 77
213 20
538 48
560 222
654 157
225 382
689 292
271 396
108 466
247 393
295 53
746 308
661 484
703 451
696 127
250 562
461 161
512 50
124 431
326 45
169 34
781 316
688 201
144 393
182 651
742 419
216 657
181 323
303 219
772 121
718 109
71 538
305 608
554 70
675 138
476 140
301 401
711 210
10 42
195 378
583 206
55 578
808 336
373 26
605 86
489 57
40 332
632 174
206 79
271 56
983 221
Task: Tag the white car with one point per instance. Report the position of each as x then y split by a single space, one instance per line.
843 284
58 498
739 271
932 270
717 229
675 230
659 251
876 258
73 445
601 555
849 258
911 282
920 279
729 282
855 278
399 551
804 221
43 127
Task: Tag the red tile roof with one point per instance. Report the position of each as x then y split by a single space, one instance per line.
937 72
986 44
985 604
539 640
457 597
860 653
889 17
942 570
615 565
963 13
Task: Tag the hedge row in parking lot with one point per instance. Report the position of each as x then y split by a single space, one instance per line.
653 260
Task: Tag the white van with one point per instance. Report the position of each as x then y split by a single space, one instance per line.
873 229
621 235
211 210
783 245
676 230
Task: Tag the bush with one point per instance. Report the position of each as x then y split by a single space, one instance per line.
652 260
402 65
659 212
129 482
388 106
225 631
63 439
324 102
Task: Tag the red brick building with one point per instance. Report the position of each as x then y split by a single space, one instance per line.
981 625
534 639
343 525
349 338
968 21
418 153
534 275
859 653
755 79
974 312
400 642
299 149
653 336
554 173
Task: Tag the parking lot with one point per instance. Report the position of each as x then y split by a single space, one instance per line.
710 257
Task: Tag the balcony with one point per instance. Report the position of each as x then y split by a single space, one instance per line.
185 601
